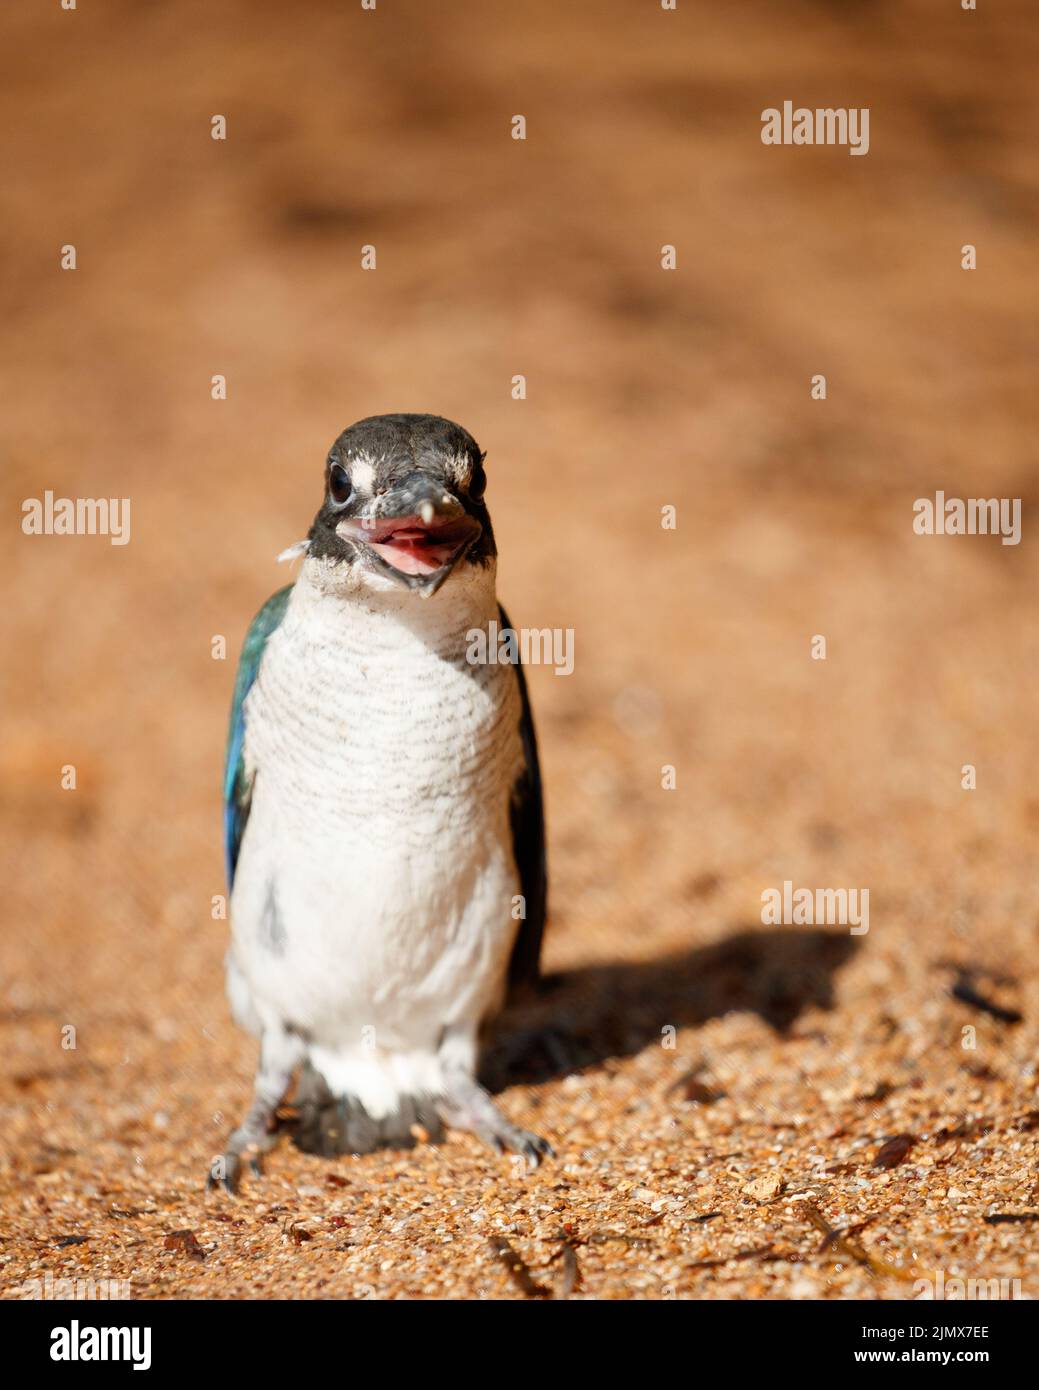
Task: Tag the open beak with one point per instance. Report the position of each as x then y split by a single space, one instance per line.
419 535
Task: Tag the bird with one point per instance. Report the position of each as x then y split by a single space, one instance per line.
384 825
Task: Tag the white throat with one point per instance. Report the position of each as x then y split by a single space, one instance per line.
363 600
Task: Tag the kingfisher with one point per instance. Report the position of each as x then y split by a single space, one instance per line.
384 826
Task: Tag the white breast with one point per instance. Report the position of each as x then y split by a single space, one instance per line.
376 879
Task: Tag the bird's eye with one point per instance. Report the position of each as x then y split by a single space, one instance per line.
478 481
339 485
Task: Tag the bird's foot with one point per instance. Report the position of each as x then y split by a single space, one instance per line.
466 1105
256 1136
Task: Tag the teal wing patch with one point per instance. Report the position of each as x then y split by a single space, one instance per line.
237 787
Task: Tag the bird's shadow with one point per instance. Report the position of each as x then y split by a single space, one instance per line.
580 1018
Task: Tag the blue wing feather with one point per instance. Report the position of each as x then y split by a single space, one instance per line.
237 787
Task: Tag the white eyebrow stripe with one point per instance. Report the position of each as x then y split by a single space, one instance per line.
462 468
362 475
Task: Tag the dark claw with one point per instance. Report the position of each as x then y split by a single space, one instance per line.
533 1148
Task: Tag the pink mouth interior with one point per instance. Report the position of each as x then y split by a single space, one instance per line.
412 547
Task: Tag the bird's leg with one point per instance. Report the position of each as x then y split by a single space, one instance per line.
280 1053
465 1104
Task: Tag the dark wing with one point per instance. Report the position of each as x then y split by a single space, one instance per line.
237 786
527 816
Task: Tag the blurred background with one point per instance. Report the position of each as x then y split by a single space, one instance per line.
645 388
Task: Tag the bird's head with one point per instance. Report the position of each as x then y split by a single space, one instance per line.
403 503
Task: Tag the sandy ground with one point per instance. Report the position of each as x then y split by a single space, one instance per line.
712 1167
